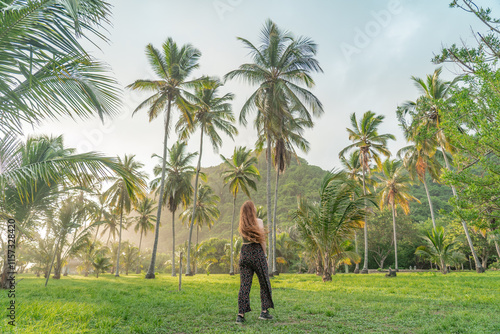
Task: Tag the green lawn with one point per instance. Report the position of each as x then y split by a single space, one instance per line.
410 303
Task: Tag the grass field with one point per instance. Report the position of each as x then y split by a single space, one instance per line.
410 303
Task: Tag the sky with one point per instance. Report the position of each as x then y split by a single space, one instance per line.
368 50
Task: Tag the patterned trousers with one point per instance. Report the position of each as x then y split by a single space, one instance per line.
253 260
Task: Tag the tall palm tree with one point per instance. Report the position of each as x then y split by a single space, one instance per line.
332 221
45 70
212 114
144 221
239 173
426 118
419 159
178 187
285 137
206 212
370 145
393 182
122 195
281 66
173 65
352 167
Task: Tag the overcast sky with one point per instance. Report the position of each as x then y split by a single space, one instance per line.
368 50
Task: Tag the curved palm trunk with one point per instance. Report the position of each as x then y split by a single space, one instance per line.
96 233
429 200
151 269
52 263
365 228
395 242
275 271
138 270
173 243
498 249
188 266
231 271
268 194
479 267
119 240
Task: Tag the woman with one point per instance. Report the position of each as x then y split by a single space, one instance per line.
253 260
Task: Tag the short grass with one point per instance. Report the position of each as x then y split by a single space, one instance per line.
410 303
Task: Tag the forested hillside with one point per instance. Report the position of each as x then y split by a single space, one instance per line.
299 179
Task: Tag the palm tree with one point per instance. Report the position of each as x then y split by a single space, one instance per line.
32 174
178 188
437 248
173 66
281 66
370 145
206 212
239 173
211 114
393 182
45 70
285 137
426 114
332 221
419 158
352 166
144 221
122 195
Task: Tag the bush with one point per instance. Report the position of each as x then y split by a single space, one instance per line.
494 266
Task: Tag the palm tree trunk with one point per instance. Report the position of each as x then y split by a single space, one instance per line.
119 239
498 249
327 275
231 271
268 194
56 246
395 242
151 269
365 228
138 270
430 202
356 269
96 233
275 272
188 268
173 243
479 267
196 249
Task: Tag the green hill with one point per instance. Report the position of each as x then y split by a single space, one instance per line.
300 178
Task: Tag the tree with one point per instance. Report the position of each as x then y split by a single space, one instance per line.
285 137
33 174
282 63
144 221
239 174
393 185
212 114
352 166
206 212
370 144
332 221
45 70
173 66
419 158
178 188
123 195
437 248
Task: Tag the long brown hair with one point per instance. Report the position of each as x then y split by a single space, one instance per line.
249 229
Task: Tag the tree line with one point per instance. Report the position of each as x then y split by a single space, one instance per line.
450 129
